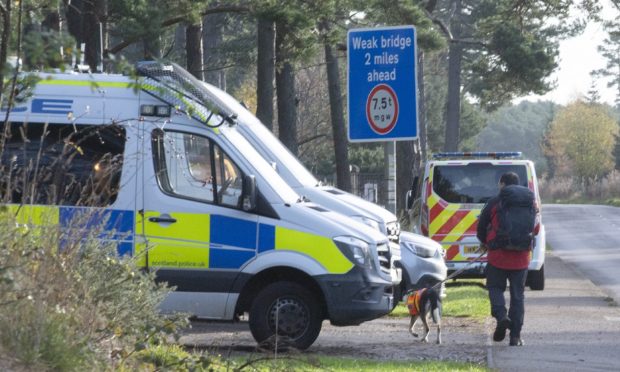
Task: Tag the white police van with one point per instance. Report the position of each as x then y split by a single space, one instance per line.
421 260
188 196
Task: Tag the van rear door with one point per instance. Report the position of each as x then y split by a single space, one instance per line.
456 194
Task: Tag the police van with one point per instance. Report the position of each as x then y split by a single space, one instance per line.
421 261
185 194
454 188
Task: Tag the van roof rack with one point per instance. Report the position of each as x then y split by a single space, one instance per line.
479 155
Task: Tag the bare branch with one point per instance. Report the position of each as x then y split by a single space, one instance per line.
311 138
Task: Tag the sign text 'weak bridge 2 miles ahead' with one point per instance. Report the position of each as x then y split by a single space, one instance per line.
382 99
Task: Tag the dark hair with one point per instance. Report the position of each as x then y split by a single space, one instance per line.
509 178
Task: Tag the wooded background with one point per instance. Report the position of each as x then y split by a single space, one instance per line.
285 61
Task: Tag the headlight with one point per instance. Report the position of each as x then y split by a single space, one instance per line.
368 221
420 250
356 250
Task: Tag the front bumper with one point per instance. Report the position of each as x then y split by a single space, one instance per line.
356 297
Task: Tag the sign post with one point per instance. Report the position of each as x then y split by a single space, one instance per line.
382 100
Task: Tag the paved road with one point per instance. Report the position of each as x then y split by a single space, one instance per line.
573 325
588 237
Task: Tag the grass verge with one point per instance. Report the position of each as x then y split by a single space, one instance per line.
346 364
464 298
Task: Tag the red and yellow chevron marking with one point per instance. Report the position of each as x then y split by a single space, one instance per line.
450 223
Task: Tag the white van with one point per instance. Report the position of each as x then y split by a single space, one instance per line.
453 191
185 193
421 259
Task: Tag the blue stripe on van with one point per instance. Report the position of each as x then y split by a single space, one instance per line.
113 224
233 232
266 237
228 259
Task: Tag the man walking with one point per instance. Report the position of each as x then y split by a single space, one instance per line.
506 230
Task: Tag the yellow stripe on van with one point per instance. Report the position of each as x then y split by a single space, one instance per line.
320 248
165 249
463 225
166 253
442 218
85 83
35 215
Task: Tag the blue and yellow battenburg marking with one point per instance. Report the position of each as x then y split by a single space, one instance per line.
209 241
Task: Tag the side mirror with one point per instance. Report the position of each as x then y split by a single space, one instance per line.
248 195
411 194
409 199
414 186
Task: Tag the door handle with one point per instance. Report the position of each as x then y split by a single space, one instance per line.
163 219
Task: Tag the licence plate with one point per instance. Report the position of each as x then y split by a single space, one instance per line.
470 249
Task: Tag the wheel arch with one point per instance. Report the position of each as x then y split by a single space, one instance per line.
278 274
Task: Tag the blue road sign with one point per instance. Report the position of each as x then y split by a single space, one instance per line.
382 99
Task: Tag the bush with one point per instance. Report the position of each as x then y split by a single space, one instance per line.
573 189
68 302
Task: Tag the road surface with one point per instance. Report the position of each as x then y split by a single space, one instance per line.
588 237
574 324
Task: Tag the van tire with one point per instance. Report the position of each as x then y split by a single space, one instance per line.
299 313
536 279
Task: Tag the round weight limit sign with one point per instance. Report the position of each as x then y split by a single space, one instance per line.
382 109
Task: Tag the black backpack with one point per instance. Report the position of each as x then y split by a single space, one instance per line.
516 217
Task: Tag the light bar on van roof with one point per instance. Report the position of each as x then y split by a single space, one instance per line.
480 154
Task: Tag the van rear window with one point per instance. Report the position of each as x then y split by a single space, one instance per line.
61 164
473 182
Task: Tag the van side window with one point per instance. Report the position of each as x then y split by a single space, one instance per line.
194 167
62 164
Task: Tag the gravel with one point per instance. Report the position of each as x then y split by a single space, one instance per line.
385 339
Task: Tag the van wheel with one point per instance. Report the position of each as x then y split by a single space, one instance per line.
536 279
292 310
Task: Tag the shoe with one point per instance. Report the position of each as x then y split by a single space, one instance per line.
516 341
500 329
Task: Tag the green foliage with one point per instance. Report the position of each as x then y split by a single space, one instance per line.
519 128
42 50
68 302
581 141
610 50
368 157
359 365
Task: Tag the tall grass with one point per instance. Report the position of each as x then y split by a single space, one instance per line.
604 190
68 302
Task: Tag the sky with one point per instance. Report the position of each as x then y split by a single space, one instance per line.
578 57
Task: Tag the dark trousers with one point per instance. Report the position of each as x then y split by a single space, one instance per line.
496 284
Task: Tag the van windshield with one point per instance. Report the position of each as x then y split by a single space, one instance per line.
473 182
271 149
263 168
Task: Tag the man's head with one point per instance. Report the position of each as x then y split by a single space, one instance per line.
508 178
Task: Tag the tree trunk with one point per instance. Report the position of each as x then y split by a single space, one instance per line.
343 177
213 25
193 50
265 71
407 154
83 18
455 56
285 88
4 42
